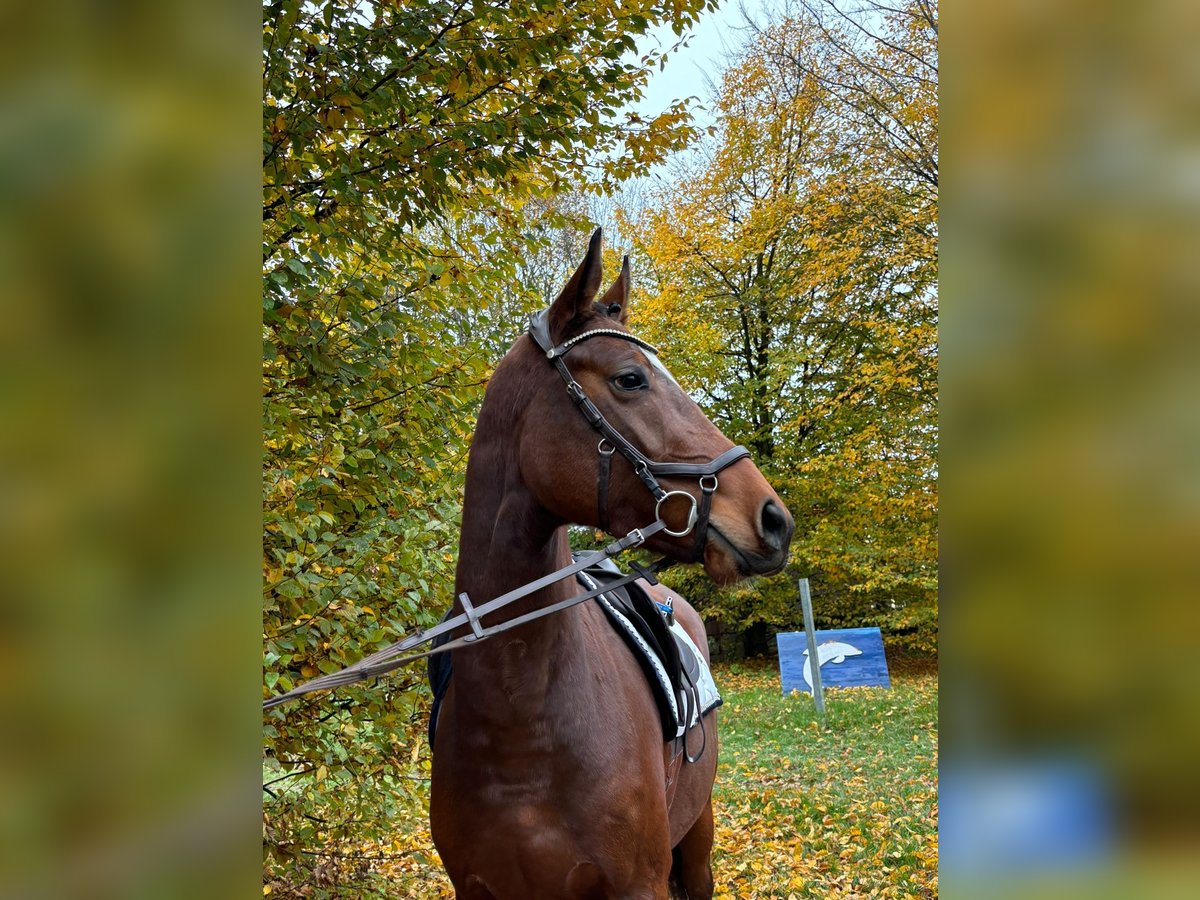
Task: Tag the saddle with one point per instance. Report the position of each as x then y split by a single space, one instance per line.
676 672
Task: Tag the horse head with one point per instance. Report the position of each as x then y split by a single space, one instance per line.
607 438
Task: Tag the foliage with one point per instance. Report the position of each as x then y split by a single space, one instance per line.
880 68
809 243
844 809
405 149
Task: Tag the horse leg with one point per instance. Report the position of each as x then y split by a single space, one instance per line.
585 882
474 889
695 858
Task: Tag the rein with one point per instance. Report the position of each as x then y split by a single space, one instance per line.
390 657
612 441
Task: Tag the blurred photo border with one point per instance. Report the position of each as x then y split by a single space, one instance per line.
130 480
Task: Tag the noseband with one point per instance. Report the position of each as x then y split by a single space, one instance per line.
612 441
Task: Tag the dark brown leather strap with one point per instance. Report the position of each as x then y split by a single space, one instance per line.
385 660
606 451
708 487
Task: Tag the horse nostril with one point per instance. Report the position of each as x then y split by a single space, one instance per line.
776 525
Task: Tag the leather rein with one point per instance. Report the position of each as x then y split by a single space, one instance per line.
612 441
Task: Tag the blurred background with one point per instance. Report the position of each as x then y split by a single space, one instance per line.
1071 516
130 456
129 449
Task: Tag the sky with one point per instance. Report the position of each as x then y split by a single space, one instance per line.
690 70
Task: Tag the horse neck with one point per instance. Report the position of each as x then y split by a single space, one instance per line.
508 540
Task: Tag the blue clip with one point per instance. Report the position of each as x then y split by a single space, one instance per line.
667 610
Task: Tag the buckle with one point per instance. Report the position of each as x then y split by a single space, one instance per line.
472 617
635 538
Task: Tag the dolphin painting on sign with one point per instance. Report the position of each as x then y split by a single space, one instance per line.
829 652
846 657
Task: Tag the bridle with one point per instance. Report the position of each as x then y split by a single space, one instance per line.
612 441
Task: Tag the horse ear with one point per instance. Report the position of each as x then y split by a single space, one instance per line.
616 298
576 298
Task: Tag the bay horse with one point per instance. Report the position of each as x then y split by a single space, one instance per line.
551 778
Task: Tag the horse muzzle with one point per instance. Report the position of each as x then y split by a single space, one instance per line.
732 553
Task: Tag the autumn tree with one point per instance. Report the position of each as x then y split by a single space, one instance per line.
878 64
793 288
402 143
553 232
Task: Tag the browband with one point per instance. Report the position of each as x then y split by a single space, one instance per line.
539 330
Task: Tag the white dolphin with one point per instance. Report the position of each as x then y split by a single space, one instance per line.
830 651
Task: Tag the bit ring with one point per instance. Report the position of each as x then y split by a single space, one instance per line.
692 517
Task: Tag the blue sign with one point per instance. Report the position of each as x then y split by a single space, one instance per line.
847 657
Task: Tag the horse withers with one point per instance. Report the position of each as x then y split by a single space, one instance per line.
551 776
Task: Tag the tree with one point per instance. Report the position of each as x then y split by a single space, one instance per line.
404 145
879 64
794 290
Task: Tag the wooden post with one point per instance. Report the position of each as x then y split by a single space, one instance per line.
814 661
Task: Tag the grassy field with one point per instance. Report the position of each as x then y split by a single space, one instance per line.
847 809
844 810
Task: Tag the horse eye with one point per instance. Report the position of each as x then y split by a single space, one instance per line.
630 381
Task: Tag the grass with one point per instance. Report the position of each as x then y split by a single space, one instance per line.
847 808
843 809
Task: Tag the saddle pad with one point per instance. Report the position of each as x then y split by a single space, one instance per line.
676 671
679 677
710 697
